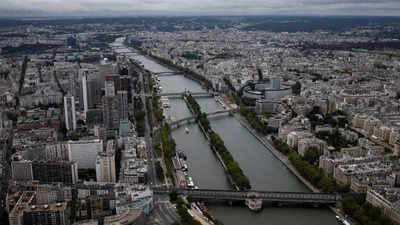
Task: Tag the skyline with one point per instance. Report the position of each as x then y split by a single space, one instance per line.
37 8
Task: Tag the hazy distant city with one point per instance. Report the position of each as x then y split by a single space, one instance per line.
209 120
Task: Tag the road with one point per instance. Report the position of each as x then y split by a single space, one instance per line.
152 176
164 212
267 142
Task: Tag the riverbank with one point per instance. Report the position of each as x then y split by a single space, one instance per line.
281 157
263 169
232 169
228 176
170 65
284 159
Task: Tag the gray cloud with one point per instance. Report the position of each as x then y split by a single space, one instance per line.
206 7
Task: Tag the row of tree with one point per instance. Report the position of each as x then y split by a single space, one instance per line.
335 119
139 115
168 146
218 144
158 112
160 171
309 171
193 104
255 122
233 167
182 210
363 212
149 113
189 72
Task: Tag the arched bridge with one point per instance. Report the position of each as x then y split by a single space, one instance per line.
191 119
164 74
181 94
265 196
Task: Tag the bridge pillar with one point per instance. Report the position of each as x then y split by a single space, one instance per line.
254 204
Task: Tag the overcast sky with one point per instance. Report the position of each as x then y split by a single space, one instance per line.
208 7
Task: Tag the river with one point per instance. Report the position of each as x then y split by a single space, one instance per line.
264 171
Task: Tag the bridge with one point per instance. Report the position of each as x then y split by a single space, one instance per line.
173 73
315 199
181 94
192 119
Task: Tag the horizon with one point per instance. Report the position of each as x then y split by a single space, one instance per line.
123 8
62 17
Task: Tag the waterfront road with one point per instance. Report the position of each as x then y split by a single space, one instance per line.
152 176
163 213
267 142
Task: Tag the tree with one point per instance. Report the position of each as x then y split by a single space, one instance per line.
349 205
160 171
173 196
12 116
312 155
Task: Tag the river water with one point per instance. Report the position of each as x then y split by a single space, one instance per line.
264 171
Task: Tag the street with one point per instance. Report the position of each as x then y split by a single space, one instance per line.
164 212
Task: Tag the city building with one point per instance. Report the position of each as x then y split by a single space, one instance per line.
275 83
306 143
49 214
53 193
56 152
21 169
84 152
294 137
266 106
61 171
69 112
387 199
111 112
272 90
123 105
109 86
344 173
91 90
105 167
15 217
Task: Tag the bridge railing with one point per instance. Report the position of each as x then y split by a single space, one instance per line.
265 195
190 118
183 93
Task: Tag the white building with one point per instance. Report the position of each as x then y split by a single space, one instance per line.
109 87
57 152
69 112
84 152
105 168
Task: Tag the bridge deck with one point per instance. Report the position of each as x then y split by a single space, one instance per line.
194 94
190 118
295 197
172 73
